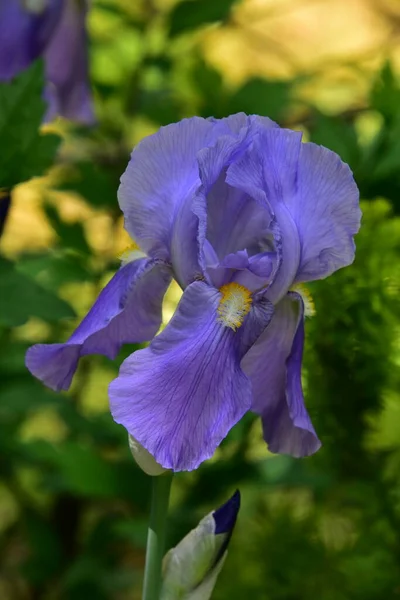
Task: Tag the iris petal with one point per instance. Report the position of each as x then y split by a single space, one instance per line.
163 191
180 396
273 365
268 172
233 136
24 34
68 91
156 191
326 211
128 310
233 219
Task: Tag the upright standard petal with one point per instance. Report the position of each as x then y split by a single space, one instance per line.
232 219
162 175
233 136
26 27
180 396
68 91
267 172
326 211
128 310
235 221
273 365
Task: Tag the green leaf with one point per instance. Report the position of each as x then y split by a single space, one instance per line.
262 97
25 151
71 235
23 395
38 158
159 105
80 468
45 549
21 298
337 135
389 163
96 185
191 14
55 268
12 358
210 87
385 93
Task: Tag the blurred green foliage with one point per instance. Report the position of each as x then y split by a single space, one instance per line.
25 152
73 505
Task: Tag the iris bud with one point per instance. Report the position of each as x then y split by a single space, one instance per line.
191 569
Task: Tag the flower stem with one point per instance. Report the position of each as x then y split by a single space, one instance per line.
161 487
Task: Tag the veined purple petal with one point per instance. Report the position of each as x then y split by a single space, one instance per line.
24 33
235 221
68 91
268 172
259 271
230 218
180 396
326 211
159 192
251 272
273 365
219 272
128 310
156 191
234 135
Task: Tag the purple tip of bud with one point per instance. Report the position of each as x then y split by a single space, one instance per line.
225 520
225 516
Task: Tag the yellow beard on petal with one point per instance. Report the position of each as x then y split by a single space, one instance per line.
131 253
309 307
234 305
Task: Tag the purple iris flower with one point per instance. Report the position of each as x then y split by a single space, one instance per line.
239 212
54 29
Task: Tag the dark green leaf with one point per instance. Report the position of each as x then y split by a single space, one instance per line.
385 93
210 87
96 185
53 269
21 298
81 470
38 158
191 14
262 97
389 164
338 135
45 550
23 395
12 357
71 235
159 106
25 151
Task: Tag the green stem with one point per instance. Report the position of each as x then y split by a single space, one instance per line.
156 535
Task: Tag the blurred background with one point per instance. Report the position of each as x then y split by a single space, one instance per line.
73 505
